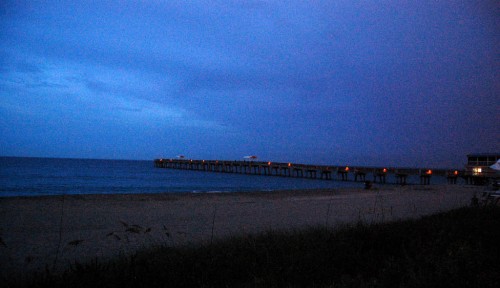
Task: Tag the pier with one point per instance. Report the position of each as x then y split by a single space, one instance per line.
382 175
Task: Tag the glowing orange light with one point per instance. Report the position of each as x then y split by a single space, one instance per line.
385 170
289 164
217 162
456 172
346 168
269 163
428 172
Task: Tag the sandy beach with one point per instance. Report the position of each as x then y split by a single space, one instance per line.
52 232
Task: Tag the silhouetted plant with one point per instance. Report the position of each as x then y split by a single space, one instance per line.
454 249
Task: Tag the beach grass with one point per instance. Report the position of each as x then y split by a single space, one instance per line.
459 248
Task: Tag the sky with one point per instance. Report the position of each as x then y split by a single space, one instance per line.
373 83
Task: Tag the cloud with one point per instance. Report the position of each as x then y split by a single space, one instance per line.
80 91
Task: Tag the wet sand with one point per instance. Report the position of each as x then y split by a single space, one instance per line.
52 232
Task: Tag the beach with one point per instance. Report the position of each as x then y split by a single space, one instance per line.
55 231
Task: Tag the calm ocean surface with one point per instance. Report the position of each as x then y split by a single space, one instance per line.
48 176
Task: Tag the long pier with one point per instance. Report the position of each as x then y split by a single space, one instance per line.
340 173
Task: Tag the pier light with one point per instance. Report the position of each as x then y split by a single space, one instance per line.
384 170
289 164
456 172
203 161
161 160
269 163
428 172
346 169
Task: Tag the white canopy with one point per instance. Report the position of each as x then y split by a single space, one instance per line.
496 166
250 157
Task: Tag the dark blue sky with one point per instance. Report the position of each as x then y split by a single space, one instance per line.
404 83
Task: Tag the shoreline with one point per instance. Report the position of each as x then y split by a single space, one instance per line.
55 231
265 192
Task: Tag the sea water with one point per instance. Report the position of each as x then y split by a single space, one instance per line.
51 176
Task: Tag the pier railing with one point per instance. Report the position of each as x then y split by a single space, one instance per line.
325 172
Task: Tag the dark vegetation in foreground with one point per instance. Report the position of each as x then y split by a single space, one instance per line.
454 249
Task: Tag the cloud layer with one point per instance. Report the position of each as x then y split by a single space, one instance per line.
390 83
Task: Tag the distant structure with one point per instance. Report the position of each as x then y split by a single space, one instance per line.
477 170
383 175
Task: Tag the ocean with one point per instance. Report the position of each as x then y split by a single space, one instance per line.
53 176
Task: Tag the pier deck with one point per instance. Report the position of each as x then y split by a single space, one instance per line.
341 173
